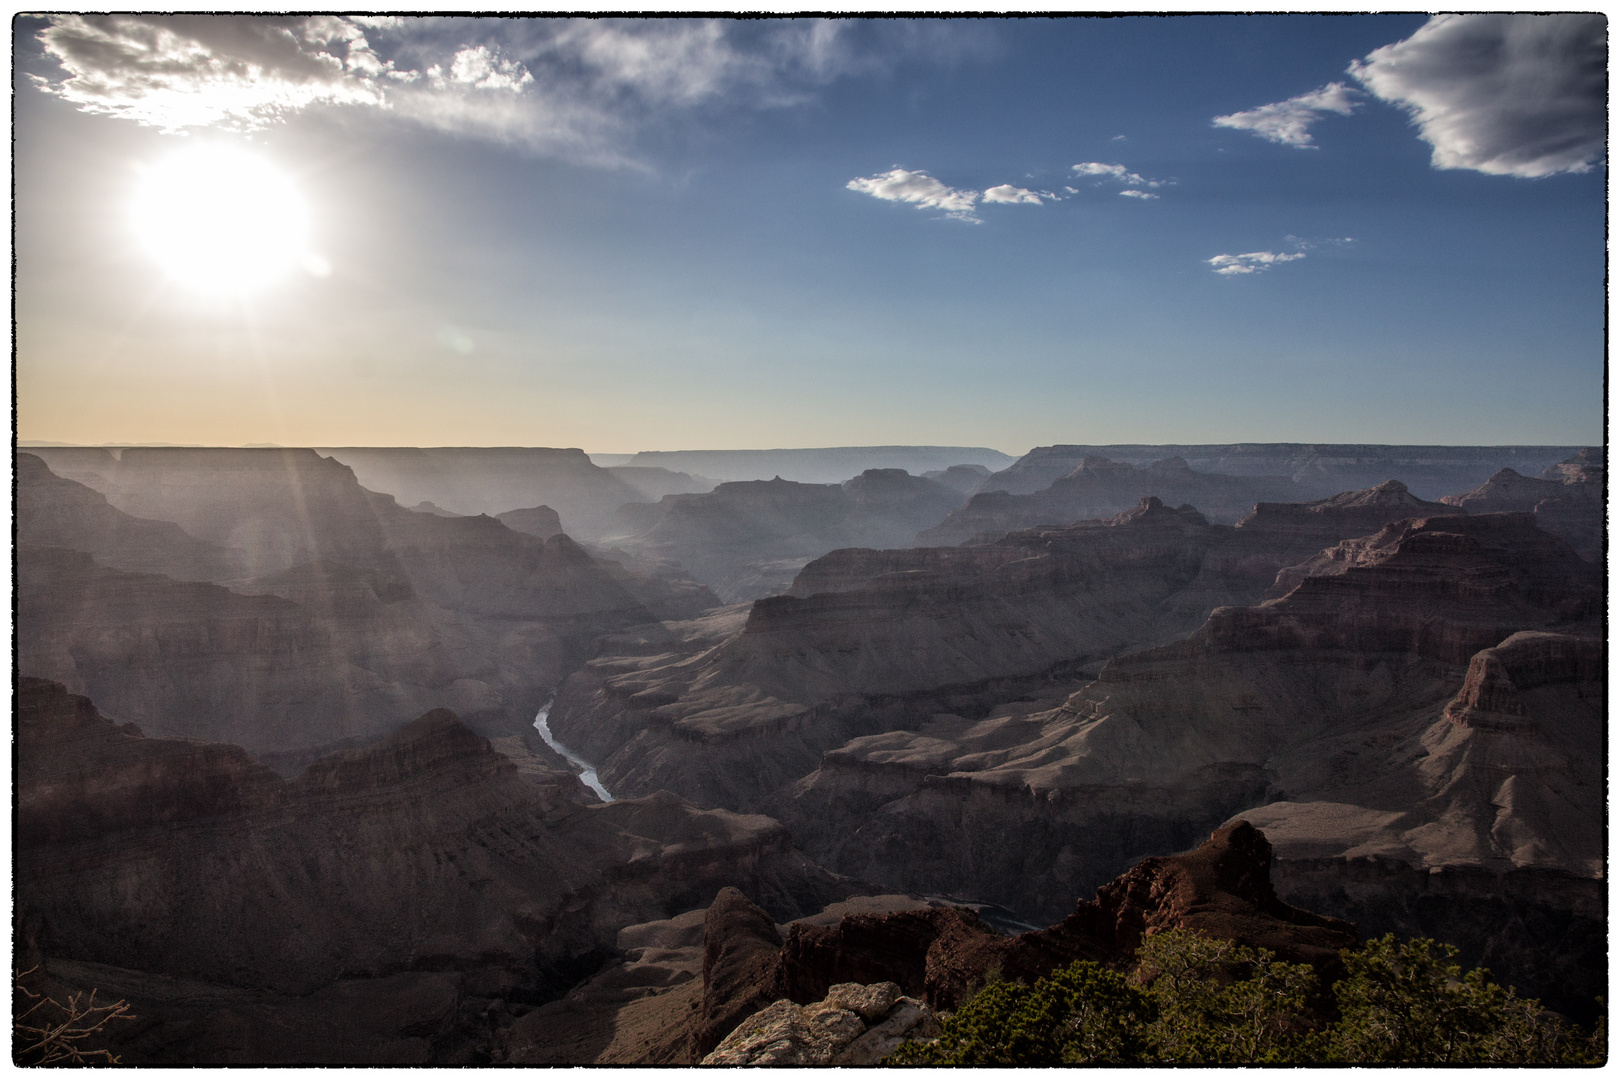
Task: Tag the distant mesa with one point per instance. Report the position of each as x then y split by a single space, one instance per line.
426 507
825 465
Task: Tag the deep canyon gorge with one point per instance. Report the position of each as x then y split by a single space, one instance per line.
300 733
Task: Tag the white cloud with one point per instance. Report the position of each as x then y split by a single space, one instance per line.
576 87
1289 122
1135 194
1006 193
193 71
1117 173
1512 95
920 189
1251 263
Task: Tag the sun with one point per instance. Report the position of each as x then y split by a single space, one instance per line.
221 220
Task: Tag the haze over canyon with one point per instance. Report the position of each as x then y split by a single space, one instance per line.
280 769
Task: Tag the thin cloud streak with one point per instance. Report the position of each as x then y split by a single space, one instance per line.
1251 263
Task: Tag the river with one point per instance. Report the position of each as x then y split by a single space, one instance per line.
587 771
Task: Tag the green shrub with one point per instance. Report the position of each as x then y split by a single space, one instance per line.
1196 1000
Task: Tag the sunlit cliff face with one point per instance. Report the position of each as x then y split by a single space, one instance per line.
221 220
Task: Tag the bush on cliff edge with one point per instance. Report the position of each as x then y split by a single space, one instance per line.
1197 1000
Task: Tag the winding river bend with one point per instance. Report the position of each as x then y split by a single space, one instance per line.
587 771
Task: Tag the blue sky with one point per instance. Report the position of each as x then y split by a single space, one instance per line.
681 234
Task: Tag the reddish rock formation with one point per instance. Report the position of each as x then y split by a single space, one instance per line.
1221 889
741 968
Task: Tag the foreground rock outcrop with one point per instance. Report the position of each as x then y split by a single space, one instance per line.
939 955
853 1025
429 852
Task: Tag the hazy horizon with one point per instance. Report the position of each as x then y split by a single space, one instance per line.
739 234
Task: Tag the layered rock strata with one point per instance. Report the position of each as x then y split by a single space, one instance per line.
1568 500
428 852
731 709
1100 488
1429 697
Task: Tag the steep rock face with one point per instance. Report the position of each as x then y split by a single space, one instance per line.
397 611
1324 699
476 480
866 641
654 482
1586 465
1278 535
1222 889
726 714
1100 488
426 852
54 512
1318 468
748 539
741 968
190 658
962 479
541 521
1568 500
278 508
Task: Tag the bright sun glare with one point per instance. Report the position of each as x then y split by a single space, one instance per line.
221 220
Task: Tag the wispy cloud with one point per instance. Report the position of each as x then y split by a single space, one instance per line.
1134 194
577 87
1119 174
1006 193
1289 122
1251 263
1512 95
921 190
